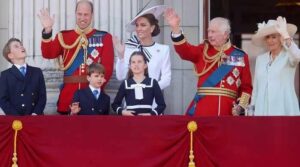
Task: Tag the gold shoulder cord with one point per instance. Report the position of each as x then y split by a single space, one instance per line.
81 41
208 59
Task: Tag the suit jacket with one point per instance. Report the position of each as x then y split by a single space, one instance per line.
90 105
22 95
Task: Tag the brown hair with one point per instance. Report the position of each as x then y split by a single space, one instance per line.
6 49
95 68
137 53
85 1
153 22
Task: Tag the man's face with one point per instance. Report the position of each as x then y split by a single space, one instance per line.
216 36
84 15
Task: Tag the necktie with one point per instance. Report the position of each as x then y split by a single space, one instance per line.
95 92
22 70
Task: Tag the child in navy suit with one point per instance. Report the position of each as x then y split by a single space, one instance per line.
139 90
91 100
22 87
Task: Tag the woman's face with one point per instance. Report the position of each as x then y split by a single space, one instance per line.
143 28
137 64
273 42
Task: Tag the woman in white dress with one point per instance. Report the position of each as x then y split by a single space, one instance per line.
273 88
146 27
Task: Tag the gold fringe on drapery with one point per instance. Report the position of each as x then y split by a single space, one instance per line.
192 127
16 125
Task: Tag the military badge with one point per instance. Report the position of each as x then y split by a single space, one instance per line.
235 72
89 61
95 53
230 80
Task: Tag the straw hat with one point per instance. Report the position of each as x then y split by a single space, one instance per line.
270 28
155 10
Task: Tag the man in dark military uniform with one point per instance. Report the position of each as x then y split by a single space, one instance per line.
77 49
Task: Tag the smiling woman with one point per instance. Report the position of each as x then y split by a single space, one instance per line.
273 87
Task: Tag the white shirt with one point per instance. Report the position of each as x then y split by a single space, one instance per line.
159 66
98 89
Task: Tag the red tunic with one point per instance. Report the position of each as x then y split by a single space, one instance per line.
63 45
238 80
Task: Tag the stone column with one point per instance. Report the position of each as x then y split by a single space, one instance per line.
183 85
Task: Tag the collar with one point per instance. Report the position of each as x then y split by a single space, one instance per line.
93 88
224 47
84 31
19 66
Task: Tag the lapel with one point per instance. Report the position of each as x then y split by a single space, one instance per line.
90 94
16 72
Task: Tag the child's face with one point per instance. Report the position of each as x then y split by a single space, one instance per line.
137 64
17 51
96 80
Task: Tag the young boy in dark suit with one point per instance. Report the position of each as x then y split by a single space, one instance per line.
91 100
22 87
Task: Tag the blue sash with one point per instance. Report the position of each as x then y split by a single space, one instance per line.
214 79
79 59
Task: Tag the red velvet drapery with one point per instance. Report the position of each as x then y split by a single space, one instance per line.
114 141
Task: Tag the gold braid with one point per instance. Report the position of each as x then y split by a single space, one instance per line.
209 59
81 41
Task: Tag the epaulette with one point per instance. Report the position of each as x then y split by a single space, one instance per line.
239 49
101 32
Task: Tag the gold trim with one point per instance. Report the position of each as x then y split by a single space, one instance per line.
244 100
81 41
192 127
212 59
180 42
212 91
84 31
16 125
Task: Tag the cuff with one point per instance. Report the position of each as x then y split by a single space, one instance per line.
178 40
244 100
46 35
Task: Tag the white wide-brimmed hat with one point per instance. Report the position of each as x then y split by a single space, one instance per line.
155 10
270 28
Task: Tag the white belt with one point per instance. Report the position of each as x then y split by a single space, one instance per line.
139 106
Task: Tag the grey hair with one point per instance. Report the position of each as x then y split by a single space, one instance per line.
224 24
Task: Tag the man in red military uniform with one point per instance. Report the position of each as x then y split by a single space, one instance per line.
224 78
76 49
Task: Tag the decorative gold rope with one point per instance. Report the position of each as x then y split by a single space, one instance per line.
192 127
16 125
212 59
81 41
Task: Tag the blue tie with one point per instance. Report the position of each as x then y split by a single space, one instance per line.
23 70
95 92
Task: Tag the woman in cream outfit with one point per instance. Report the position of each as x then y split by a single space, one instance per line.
273 88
